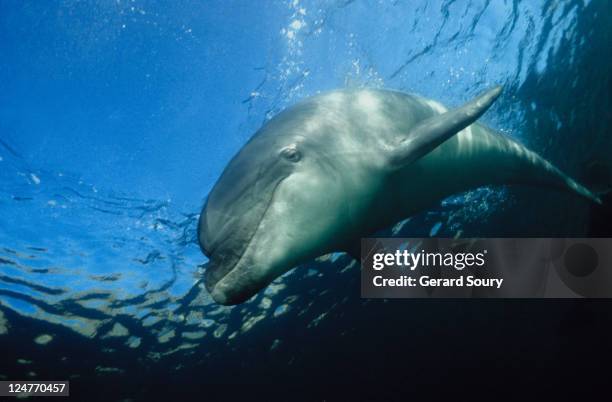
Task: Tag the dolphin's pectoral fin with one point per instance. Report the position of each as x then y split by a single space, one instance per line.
430 133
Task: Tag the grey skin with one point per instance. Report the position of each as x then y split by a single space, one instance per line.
343 165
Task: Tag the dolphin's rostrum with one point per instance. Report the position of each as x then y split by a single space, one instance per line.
345 164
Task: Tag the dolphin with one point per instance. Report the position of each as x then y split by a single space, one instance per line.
342 165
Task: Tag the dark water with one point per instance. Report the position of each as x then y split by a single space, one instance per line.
100 281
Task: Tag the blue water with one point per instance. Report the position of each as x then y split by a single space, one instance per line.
117 117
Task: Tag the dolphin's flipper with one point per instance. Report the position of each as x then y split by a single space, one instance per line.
427 135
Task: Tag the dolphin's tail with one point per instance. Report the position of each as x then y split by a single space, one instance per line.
567 182
531 168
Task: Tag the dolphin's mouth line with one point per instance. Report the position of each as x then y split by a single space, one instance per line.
250 240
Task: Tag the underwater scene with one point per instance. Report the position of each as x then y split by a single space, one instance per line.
118 117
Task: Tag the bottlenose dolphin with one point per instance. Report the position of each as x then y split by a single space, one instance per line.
342 165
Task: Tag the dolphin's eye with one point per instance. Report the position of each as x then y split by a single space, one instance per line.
291 153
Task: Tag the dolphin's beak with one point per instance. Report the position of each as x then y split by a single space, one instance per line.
232 214
228 277
227 292
211 277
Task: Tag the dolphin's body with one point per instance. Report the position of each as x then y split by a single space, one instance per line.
342 165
